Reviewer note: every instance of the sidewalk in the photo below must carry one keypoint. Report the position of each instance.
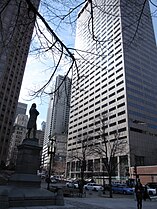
(98, 203)
(108, 203)
(93, 200)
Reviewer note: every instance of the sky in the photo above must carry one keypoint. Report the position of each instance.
(37, 72)
(30, 81)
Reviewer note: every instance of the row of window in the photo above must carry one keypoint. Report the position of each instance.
(98, 108)
(110, 134)
(75, 128)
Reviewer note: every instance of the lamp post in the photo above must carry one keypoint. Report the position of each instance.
(51, 151)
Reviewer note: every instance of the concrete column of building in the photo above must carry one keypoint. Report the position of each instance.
(118, 163)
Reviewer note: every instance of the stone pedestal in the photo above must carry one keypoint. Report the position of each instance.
(28, 162)
(24, 188)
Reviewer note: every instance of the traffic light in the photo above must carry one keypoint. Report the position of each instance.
(135, 169)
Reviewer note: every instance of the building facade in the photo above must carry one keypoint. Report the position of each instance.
(15, 36)
(61, 106)
(116, 79)
(40, 137)
(18, 135)
(58, 119)
(43, 126)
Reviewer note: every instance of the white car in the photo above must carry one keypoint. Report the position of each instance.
(151, 191)
(93, 186)
(72, 184)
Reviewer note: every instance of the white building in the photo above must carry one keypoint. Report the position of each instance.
(117, 78)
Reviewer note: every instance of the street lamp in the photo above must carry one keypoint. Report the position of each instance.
(51, 151)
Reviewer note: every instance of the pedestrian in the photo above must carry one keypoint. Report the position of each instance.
(146, 194)
(139, 193)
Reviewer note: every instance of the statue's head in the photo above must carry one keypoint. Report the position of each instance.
(34, 105)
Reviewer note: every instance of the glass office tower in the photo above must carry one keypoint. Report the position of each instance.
(116, 77)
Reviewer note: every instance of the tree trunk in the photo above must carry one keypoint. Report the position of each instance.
(110, 186)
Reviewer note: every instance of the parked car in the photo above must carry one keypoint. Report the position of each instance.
(72, 184)
(152, 188)
(42, 175)
(53, 179)
(93, 186)
(151, 191)
(152, 185)
(122, 189)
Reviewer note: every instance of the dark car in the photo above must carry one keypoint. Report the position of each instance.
(152, 185)
(122, 189)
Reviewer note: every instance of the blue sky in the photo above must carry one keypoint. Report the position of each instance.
(33, 80)
(154, 17)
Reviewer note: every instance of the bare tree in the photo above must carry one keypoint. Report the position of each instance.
(80, 156)
(51, 20)
(108, 150)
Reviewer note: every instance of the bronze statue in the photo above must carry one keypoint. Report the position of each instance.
(32, 121)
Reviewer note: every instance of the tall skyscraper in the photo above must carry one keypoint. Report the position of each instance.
(61, 106)
(16, 30)
(58, 117)
(117, 78)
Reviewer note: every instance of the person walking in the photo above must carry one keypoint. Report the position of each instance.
(139, 194)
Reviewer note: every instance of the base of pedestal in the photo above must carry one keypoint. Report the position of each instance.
(25, 180)
(23, 189)
(25, 197)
